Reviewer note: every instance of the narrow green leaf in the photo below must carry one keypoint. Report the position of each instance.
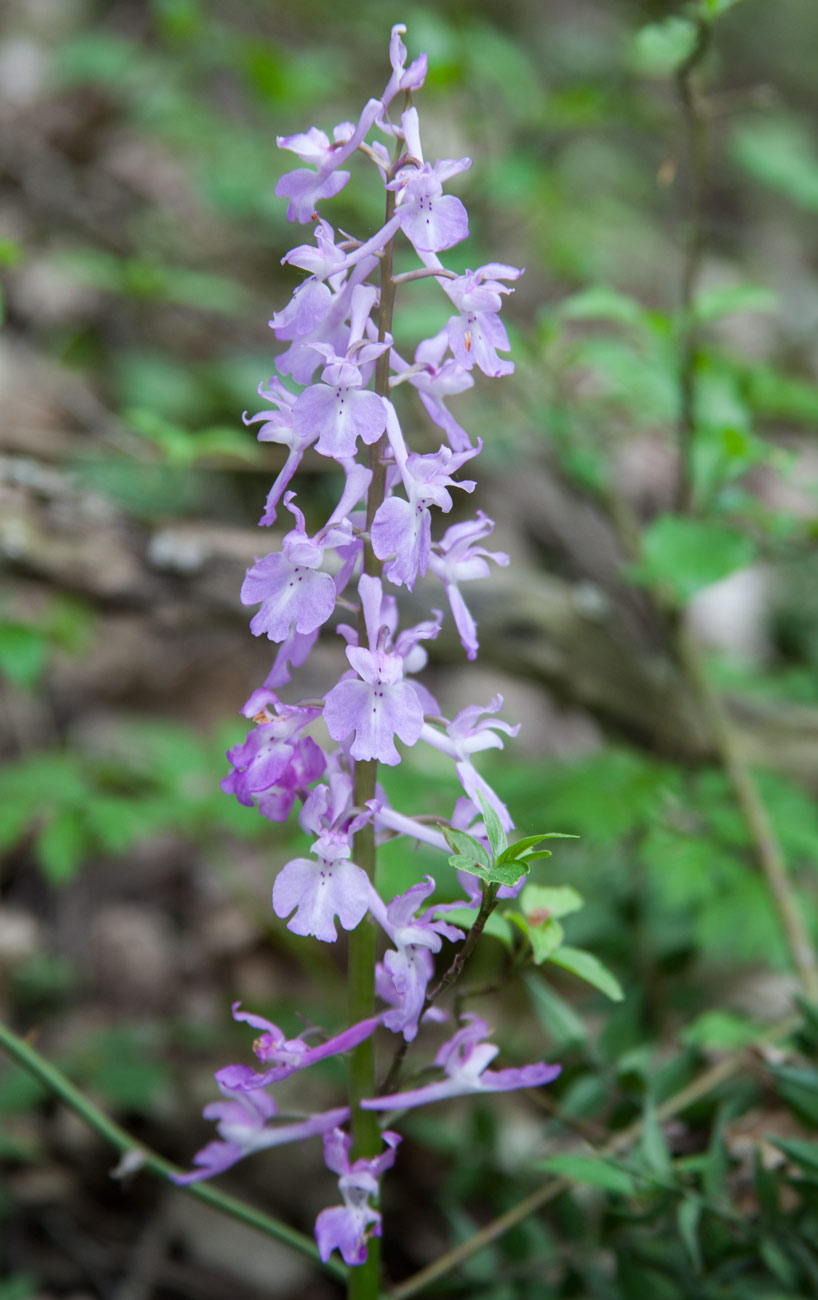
(557, 1017)
(589, 968)
(804, 1154)
(494, 829)
(688, 1217)
(653, 1148)
(593, 1171)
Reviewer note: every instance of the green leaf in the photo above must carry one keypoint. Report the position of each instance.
(780, 152)
(688, 1217)
(653, 1148)
(660, 48)
(507, 874)
(525, 848)
(23, 653)
(463, 844)
(589, 968)
(557, 1017)
(592, 1171)
(545, 939)
(720, 1030)
(684, 555)
(728, 300)
(494, 829)
(556, 900)
(603, 303)
(804, 1154)
(62, 847)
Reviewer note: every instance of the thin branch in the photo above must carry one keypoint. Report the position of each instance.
(695, 123)
(708, 1081)
(137, 1156)
(767, 846)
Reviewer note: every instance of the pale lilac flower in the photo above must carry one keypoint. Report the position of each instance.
(403, 78)
(332, 885)
(294, 593)
(431, 220)
(464, 1059)
(277, 427)
(403, 528)
(284, 1056)
(436, 377)
(410, 965)
(457, 558)
(468, 734)
(347, 1228)
(243, 1126)
(304, 187)
(477, 332)
(378, 704)
(339, 409)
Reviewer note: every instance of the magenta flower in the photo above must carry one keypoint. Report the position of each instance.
(463, 1060)
(346, 1228)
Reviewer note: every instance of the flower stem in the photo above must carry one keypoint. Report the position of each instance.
(364, 1280)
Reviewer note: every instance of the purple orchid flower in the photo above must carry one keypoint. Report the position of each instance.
(243, 1125)
(284, 1056)
(294, 592)
(463, 1059)
(346, 1228)
(477, 332)
(304, 187)
(457, 558)
(332, 885)
(377, 704)
(339, 410)
(274, 763)
(410, 966)
(436, 377)
(468, 734)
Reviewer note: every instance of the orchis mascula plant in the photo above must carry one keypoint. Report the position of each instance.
(325, 755)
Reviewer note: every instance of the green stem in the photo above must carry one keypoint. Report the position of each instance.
(363, 1281)
(56, 1082)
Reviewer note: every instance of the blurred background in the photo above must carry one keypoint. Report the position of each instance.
(662, 195)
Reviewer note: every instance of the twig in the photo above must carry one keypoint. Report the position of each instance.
(699, 1087)
(695, 124)
(767, 846)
